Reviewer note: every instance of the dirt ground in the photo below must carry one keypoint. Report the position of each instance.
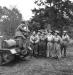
(40, 66)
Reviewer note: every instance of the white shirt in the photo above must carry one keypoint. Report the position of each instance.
(34, 39)
(65, 37)
(57, 38)
(49, 37)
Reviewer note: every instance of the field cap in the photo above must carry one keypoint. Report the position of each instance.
(56, 31)
(64, 31)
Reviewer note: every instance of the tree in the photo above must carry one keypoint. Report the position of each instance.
(57, 13)
(9, 20)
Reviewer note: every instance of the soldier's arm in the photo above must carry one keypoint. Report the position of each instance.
(47, 38)
(31, 39)
(60, 38)
(53, 38)
(68, 38)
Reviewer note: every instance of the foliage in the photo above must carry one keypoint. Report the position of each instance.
(9, 20)
(57, 13)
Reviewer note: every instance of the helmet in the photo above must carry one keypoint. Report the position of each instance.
(56, 31)
(64, 31)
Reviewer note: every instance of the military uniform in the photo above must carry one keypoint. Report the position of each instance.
(65, 41)
(57, 40)
(21, 34)
(49, 51)
(42, 45)
(34, 39)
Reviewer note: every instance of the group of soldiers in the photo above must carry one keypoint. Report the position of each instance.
(44, 42)
(49, 43)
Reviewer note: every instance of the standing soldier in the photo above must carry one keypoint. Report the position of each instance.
(34, 39)
(65, 41)
(49, 44)
(57, 40)
(42, 44)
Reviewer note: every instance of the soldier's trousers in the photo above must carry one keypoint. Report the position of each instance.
(42, 48)
(63, 50)
(49, 49)
(57, 50)
(35, 49)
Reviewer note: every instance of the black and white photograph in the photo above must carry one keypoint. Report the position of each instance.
(36, 37)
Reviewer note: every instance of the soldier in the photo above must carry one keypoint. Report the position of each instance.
(49, 44)
(57, 40)
(34, 39)
(65, 41)
(42, 45)
(21, 34)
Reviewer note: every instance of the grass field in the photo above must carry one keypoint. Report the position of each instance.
(40, 66)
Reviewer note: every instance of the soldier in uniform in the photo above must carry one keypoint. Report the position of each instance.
(34, 39)
(21, 34)
(49, 44)
(65, 41)
(42, 44)
(57, 40)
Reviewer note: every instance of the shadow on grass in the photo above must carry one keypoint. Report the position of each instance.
(15, 62)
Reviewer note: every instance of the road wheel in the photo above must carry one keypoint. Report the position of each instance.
(7, 57)
(24, 55)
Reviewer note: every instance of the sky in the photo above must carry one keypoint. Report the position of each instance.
(24, 6)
